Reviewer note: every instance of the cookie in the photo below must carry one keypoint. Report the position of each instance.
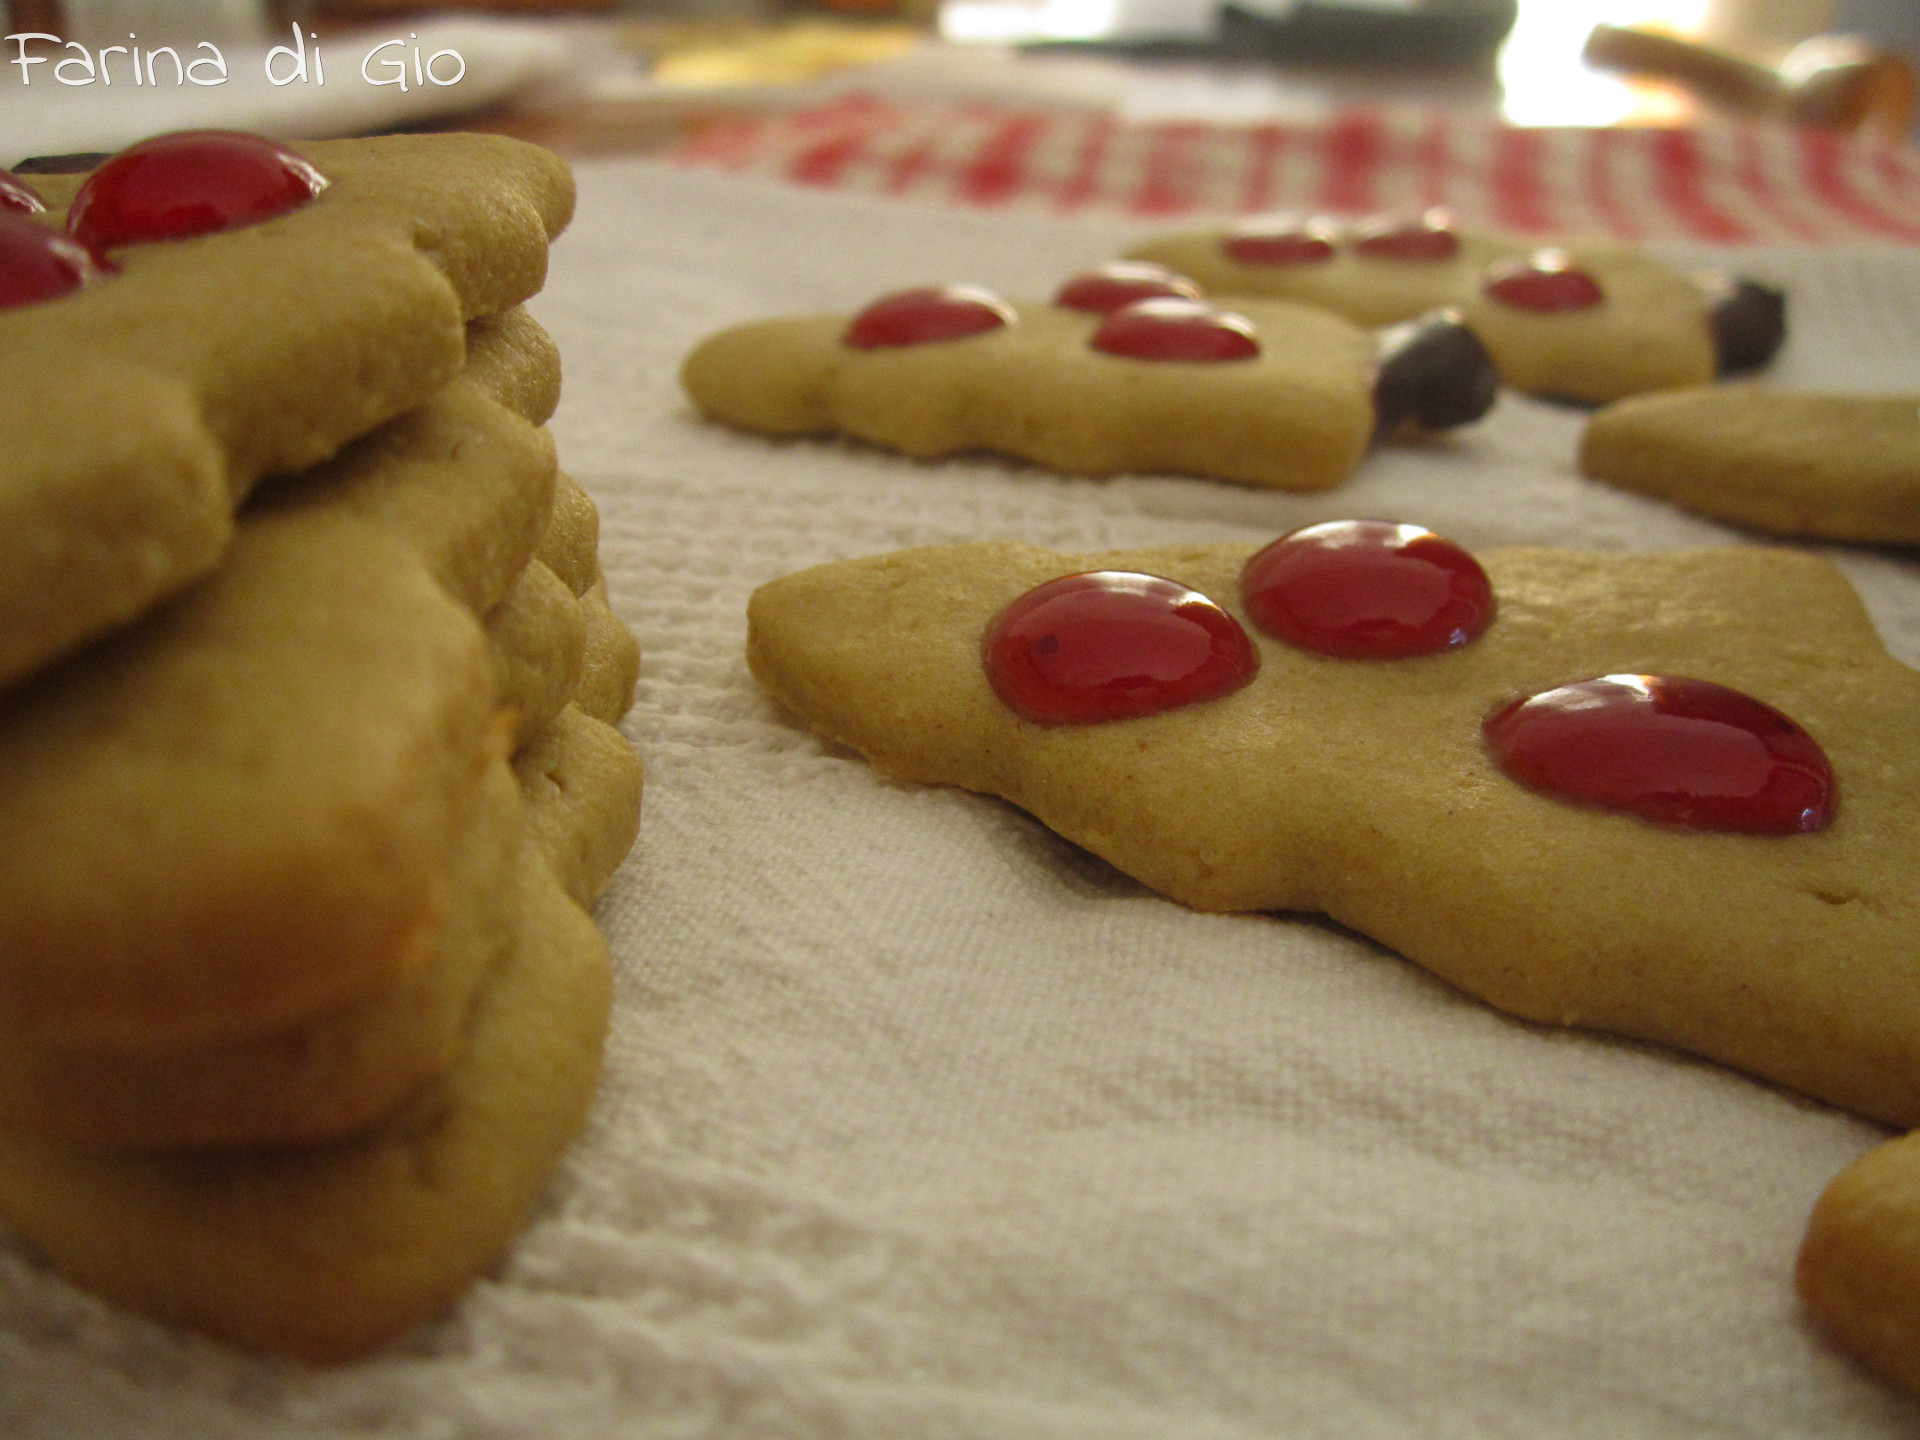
(231, 356)
(1583, 322)
(1368, 789)
(271, 860)
(1270, 394)
(1859, 1266)
(1835, 467)
(1374, 272)
(466, 498)
(327, 1252)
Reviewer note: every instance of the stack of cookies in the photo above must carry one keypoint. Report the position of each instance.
(307, 767)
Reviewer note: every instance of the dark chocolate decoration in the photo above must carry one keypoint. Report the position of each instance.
(1749, 321)
(78, 163)
(1434, 372)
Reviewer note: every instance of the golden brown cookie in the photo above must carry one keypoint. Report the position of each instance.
(1838, 467)
(233, 356)
(1859, 1269)
(344, 1069)
(1583, 322)
(1369, 289)
(1364, 789)
(1298, 415)
(570, 546)
(327, 1252)
(273, 859)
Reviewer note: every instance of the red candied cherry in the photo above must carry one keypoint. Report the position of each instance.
(928, 315)
(1367, 590)
(1431, 237)
(1121, 282)
(17, 195)
(1667, 748)
(1281, 241)
(192, 182)
(1113, 645)
(1174, 329)
(1546, 281)
(39, 264)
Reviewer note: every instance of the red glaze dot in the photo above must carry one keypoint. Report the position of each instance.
(1667, 748)
(1281, 242)
(37, 263)
(1112, 645)
(927, 316)
(1367, 590)
(17, 195)
(1173, 329)
(1546, 282)
(192, 182)
(1431, 237)
(1121, 282)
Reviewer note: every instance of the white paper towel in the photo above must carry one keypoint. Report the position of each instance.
(920, 1123)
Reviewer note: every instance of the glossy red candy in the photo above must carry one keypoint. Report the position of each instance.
(1280, 242)
(1667, 748)
(1112, 645)
(927, 316)
(1121, 282)
(37, 263)
(18, 196)
(192, 182)
(1176, 330)
(1547, 282)
(1367, 590)
(1431, 237)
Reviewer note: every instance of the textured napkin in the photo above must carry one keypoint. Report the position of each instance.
(919, 1122)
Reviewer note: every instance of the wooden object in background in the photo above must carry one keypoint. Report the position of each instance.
(1834, 82)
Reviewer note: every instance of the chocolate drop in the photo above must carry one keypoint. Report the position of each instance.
(1748, 321)
(1434, 374)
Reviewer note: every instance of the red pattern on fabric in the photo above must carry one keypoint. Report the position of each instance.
(1749, 183)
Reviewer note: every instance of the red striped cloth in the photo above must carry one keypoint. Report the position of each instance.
(1726, 184)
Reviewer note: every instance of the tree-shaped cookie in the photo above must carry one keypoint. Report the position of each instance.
(1583, 322)
(1126, 370)
(226, 308)
(1668, 795)
(1372, 788)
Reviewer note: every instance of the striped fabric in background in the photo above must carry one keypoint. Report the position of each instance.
(1729, 184)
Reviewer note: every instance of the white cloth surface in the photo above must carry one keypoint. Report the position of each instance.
(920, 1124)
(41, 116)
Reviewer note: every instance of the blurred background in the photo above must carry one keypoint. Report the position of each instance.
(634, 76)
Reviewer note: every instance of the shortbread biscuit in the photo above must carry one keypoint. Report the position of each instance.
(1367, 290)
(342, 1071)
(241, 354)
(1652, 331)
(1363, 789)
(570, 545)
(328, 1252)
(612, 662)
(537, 637)
(1299, 416)
(462, 480)
(1647, 326)
(1859, 1268)
(271, 860)
(582, 782)
(320, 1079)
(1837, 467)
